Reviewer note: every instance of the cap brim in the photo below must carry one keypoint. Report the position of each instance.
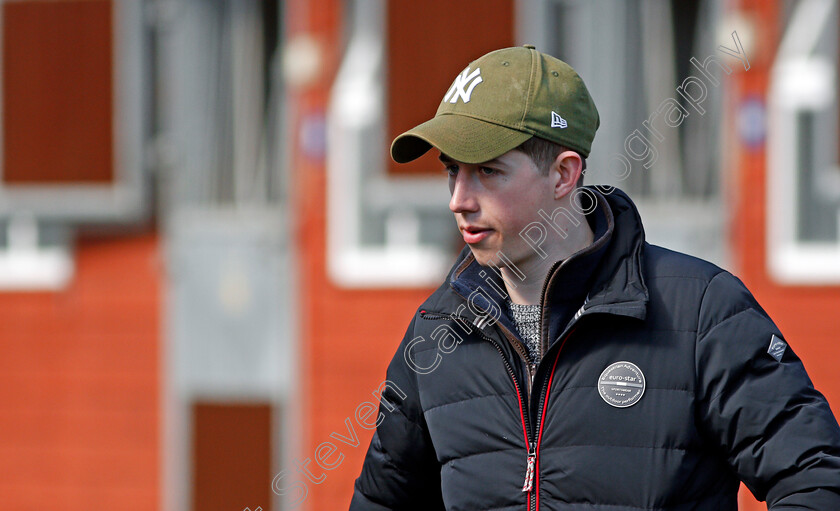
(462, 138)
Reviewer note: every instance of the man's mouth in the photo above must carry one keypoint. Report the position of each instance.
(474, 234)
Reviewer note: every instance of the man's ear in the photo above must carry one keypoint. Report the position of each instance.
(565, 171)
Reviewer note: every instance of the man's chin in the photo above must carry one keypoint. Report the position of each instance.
(485, 257)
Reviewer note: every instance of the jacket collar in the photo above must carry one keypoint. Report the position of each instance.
(471, 291)
(620, 286)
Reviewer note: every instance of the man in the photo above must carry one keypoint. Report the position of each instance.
(567, 364)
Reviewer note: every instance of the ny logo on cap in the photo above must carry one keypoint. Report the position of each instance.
(557, 121)
(457, 90)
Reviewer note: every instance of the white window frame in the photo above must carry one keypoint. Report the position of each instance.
(25, 263)
(801, 80)
(356, 121)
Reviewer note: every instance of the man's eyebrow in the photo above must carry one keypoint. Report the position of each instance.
(446, 159)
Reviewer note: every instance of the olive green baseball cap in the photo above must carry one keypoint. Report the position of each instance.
(501, 100)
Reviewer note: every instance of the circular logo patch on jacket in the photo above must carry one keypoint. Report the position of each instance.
(622, 384)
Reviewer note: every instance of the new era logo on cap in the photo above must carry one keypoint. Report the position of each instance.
(777, 348)
(557, 121)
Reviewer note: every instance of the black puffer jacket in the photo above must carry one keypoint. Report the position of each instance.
(697, 401)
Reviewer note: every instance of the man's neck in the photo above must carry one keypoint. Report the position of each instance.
(535, 269)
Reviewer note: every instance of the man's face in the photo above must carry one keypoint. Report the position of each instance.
(494, 201)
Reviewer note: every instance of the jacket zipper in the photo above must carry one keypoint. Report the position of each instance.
(523, 354)
(524, 413)
(541, 406)
(531, 483)
(531, 461)
(528, 485)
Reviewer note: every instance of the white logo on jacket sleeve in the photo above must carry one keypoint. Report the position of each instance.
(777, 348)
(465, 79)
(622, 384)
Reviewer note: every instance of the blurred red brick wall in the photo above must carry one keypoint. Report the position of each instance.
(79, 385)
(346, 337)
(807, 316)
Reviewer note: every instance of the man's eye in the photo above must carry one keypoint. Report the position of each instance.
(487, 171)
(451, 169)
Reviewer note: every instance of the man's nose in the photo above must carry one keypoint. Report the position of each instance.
(463, 196)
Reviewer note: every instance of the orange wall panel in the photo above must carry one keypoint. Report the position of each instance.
(57, 92)
(79, 385)
(426, 48)
(231, 456)
(806, 315)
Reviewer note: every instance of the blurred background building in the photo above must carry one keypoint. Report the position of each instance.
(207, 258)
